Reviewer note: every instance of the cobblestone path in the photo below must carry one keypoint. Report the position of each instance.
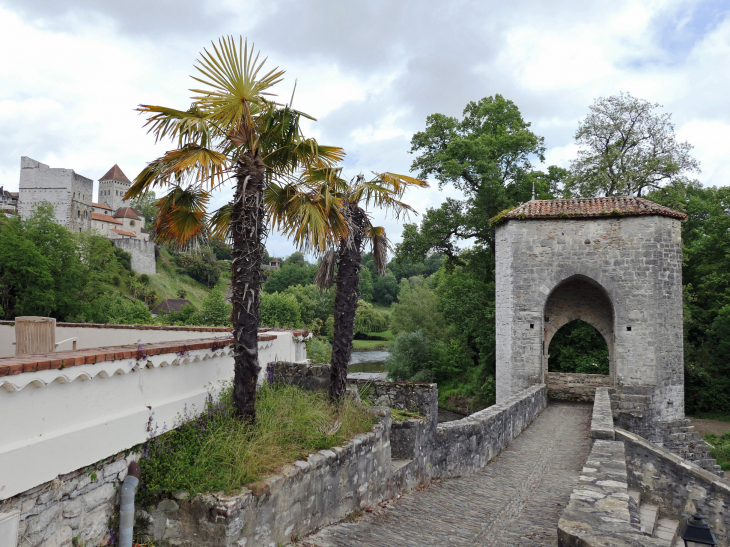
(516, 500)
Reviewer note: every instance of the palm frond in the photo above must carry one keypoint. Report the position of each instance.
(191, 162)
(325, 276)
(380, 246)
(190, 126)
(181, 217)
(234, 88)
(220, 224)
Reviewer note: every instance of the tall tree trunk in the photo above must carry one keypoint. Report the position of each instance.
(346, 297)
(247, 233)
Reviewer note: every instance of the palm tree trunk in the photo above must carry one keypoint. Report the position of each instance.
(247, 234)
(346, 297)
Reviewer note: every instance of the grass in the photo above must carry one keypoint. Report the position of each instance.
(710, 416)
(385, 338)
(217, 452)
(403, 415)
(720, 447)
(167, 282)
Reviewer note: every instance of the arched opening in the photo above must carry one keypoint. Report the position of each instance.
(578, 339)
(578, 348)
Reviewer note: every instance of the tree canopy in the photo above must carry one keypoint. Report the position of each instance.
(627, 148)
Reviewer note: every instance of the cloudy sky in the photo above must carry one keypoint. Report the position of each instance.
(72, 73)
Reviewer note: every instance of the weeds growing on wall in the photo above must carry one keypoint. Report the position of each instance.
(214, 451)
(720, 447)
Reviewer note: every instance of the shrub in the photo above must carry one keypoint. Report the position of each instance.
(368, 319)
(318, 350)
(201, 265)
(113, 307)
(279, 310)
(216, 311)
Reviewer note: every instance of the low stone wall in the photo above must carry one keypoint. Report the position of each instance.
(602, 419)
(575, 387)
(677, 485)
(466, 445)
(599, 513)
(413, 396)
(301, 497)
(73, 506)
(312, 377)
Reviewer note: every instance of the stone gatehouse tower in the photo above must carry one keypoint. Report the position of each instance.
(615, 263)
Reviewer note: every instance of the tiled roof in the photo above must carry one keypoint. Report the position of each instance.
(126, 212)
(171, 304)
(589, 208)
(123, 233)
(101, 206)
(104, 218)
(115, 173)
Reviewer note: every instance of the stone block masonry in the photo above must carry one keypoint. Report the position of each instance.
(575, 387)
(621, 274)
(143, 254)
(676, 485)
(74, 507)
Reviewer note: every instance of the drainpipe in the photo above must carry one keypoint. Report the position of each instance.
(126, 507)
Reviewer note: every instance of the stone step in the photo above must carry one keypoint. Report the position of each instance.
(667, 530)
(648, 514)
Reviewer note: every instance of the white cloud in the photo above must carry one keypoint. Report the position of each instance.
(371, 72)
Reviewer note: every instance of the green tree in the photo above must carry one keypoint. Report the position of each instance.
(113, 307)
(366, 285)
(385, 288)
(314, 305)
(417, 309)
(215, 310)
(202, 265)
(280, 310)
(368, 319)
(578, 348)
(290, 275)
(627, 148)
(147, 205)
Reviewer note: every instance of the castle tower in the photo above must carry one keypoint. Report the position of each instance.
(112, 188)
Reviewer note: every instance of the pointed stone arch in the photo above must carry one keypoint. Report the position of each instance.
(579, 297)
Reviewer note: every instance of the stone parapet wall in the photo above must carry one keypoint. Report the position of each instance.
(312, 377)
(466, 445)
(599, 512)
(602, 418)
(564, 386)
(412, 396)
(677, 485)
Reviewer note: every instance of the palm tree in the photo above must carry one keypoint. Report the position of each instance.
(234, 132)
(385, 190)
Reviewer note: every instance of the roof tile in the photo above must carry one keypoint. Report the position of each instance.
(126, 212)
(589, 208)
(115, 173)
(104, 218)
(123, 233)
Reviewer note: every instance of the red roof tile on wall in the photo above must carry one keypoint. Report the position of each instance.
(590, 208)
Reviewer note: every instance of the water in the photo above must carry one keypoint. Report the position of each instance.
(367, 365)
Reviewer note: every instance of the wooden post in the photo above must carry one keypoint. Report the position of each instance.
(35, 335)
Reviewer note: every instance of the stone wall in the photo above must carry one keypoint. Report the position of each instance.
(333, 483)
(575, 387)
(599, 512)
(76, 506)
(312, 377)
(413, 396)
(634, 261)
(602, 418)
(70, 193)
(303, 496)
(678, 486)
(143, 254)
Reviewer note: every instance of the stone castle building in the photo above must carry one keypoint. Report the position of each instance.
(72, 198)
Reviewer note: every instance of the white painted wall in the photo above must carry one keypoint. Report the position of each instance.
(53, 422)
